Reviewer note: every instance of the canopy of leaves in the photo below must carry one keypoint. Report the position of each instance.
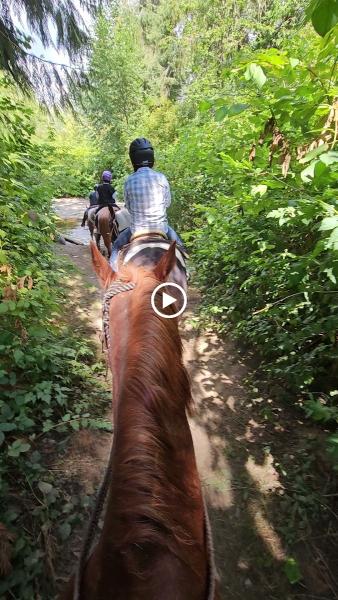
(56, 23)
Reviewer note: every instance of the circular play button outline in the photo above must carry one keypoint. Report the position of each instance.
(176, 314)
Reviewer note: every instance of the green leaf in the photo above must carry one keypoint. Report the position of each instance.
(319, 411)
(2, 437)
(204, 105)
(314, 153)
(7, 426)
(236, 109)
(255, 73)
(45, 487)
(309, 173)
(259, 189)
(330, 275)
(65, 531)
(273, 57)
(333, 239)
(329, 223)
(18, 356)
(229, 111)
(329, 158)
(4, 307)
(32, 248)
(325, 16)
(292, 570)
(221, 113)
(333, 439)
(17, 448)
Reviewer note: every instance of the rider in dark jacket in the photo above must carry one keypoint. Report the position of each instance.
(106, 192)
(93, 197)
(102, 195)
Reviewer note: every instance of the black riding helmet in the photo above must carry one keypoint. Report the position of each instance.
(141, 153)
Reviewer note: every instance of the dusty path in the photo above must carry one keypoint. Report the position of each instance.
(238, 449)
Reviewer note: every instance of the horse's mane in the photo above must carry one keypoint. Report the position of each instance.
(153, 442)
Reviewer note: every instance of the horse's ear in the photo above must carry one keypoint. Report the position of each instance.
(166, 264)
(101, 266)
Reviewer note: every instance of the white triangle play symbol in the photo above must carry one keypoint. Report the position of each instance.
(167, 300)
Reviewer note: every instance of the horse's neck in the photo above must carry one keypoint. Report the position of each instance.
(154, 453)
(154, 521)
(155, 466)
(152, 544)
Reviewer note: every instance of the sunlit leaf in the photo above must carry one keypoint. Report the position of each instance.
(259, 189)
(330, 275)
(314, 153)
(328, 223)
(204, 105)
(308, 173)
(329, 158)
(255, 73)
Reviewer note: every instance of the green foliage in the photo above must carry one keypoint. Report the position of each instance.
(240, 100)
(324, 15)
(264, 236)
(118, 72)
(45, 370)
(254, 169)
(243, 113)
(71, 153)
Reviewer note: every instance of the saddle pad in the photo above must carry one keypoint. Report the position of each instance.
(138, 246)
(123, 218)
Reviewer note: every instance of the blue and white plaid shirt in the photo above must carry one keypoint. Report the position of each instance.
(147, 197)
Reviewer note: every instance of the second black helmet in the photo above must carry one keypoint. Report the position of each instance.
(141, 153)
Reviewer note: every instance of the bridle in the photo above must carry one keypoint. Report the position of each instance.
(117, 287)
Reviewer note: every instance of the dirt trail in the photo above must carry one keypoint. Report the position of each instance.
(237, 451)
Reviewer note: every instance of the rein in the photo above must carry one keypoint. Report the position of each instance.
(117, 287)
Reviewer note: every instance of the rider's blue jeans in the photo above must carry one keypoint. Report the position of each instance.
(124, 238)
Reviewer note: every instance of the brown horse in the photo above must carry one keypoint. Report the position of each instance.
(106, 228)
(154, 542)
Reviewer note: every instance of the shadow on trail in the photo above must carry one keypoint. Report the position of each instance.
(237, 451)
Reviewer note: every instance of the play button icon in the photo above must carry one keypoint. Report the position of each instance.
(167, 300)
(164, 299)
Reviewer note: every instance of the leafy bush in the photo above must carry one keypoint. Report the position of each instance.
(44, 367)
(256, 182)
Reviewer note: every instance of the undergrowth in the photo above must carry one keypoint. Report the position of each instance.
(49, 376)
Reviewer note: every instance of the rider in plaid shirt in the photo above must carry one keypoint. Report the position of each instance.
(147, 197)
